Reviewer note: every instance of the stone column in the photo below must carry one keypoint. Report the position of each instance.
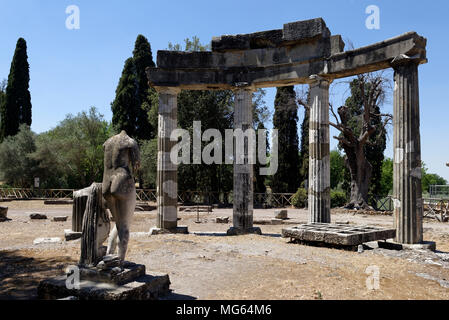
(167, 180)
(407, 193)
(243, 173)
(319, 151)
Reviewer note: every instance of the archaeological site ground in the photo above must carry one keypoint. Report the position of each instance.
(185, 191)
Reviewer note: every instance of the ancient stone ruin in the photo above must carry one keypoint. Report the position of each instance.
(303, 52)
(100, 274)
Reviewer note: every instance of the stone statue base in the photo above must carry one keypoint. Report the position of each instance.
(108, 282)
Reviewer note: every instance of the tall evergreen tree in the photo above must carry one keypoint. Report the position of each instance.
(143, 59)
(285, 120)
(124, 105)
(2, 93)
(259, 180)
(134, 98)
(304, 147)
(16, 107)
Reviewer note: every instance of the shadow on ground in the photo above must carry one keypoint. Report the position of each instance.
(20, 275)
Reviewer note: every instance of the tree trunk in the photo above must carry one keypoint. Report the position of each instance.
(361, 171)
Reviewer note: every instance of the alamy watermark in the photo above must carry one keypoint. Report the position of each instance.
(373, 279)
(242, 152)
(72, 22)
(73, 278)
(372, 22)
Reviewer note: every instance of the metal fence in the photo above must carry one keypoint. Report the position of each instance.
(29, 193)
(436, 208)
(276, 200)
(380, 203)
(439, 191)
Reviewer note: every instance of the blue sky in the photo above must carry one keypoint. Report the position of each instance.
(72, 70)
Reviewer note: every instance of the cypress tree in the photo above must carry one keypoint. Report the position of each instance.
(259, 180)
(124, 105)
(134, 97)
(285, 118)
(16, 107)
(304, 150)
(143, 58)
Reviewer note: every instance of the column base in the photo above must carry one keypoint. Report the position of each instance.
(237, 231)
(391, 245)
(179, 229)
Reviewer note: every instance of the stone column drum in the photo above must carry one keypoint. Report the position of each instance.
(319, 151)
(243, 173)
(167, 180)
(407, 193)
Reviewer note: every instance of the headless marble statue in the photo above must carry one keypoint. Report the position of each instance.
(121, 158)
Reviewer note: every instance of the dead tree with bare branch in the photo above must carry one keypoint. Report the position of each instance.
(360, 128)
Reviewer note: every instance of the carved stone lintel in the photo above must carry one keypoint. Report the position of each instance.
(316, 80)
(404, 59)
(168, 90)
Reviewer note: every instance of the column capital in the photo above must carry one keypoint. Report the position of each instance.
(168, 90)
(243, 86)
(404, 59)
(316, 80)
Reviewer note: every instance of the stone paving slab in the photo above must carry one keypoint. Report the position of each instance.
(337, 234)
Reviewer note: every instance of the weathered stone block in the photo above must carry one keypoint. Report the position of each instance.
(303, 30)
(147, 287)
(338, 234)
(257, 40)
(3, 214)
(116, 275)
(337, 44)
(46, 241)
(178, 229)
(237, 231)
(70, 235)
(281, 214)
(60, 218)
(38, 216)
(222, 220)
(58, 201)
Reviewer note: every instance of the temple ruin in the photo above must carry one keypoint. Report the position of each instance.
(303, 52)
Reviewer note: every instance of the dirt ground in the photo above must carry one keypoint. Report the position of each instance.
(210, 265)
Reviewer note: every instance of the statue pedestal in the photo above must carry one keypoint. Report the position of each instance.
(129, 282)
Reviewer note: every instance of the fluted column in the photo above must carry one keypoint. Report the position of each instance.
(167, 180)
(407, 193)
(243, 172)
(319, 151)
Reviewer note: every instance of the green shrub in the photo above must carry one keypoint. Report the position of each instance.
(338, 199)
(299, 199)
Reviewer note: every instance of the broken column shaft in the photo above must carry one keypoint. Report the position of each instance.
(319, 151)
(243, 171)
(407, 192)
(167, 180)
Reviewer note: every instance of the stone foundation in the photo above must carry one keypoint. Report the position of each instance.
(336, 234)
(127, 283)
